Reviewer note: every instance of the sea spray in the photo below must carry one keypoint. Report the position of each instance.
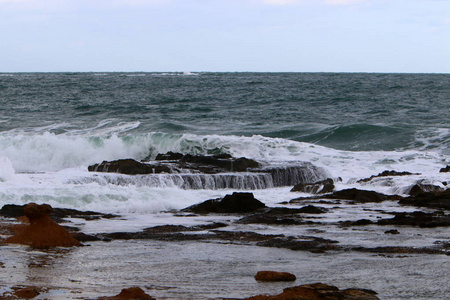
(6, 169)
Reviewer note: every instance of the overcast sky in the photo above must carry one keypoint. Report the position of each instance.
(225, 35)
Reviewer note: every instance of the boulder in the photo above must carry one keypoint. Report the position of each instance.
(128, 166)
(274, 276)
(235, 203)
(420, 188)
(444, 170)
(320, 187)
(319, 291)
(42, 232)
(437, 200)
(133, 293)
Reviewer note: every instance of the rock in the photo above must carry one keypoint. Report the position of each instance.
(420, 188)
(134, 293)
(274, 276)
(319, 291)
(438, 200)
(320, 187)
(444, 170)
(303, 243)
(42, 232)
(418, 218)
(235, 203)
(169, 156)
(392, 231)
(26, 293)
(128, 166)
(361, 196)
(387, 174)
(311, 209)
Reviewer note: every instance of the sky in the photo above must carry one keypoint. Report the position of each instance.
(405, 36)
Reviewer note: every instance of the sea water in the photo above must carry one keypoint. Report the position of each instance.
(350, 126)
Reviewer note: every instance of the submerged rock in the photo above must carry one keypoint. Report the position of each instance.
(133, 293)
(235, 203)
(42, 232)
(319, 291)
(274, 276)
(387, 174)
(418, 218)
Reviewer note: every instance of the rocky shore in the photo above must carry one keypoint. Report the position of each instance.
(329, 221)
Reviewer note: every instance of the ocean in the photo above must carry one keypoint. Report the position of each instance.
(351, 126)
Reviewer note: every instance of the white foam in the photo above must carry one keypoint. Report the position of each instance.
(7, 171)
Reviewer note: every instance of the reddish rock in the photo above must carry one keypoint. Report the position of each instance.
(133, 293)
(27, 293)
(42, 232)
(274, 276)
(319, 291)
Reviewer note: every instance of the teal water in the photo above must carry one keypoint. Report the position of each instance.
(338, 110)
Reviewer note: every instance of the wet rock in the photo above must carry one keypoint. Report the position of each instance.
(402, 250)
(57, 214)
(128, 166)
(360, 196)
(235, 203)
(274, 276)
(418, 218)
(361, 222)
(438, 200)
(26, 292)
(305, 243)
(169, 156)
(133, 293)
(42, 232)
(392, 231)
(282, 216)
(387, 174)
(319, 291)
(420, 188)
(445, 169)
(320, 187)
(270, 219)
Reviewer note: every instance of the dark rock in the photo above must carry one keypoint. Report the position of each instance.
(312, 244)
(319, 291)
(235, 203)
(361, 222)
(12, 210)
(57, 214)
(401, 250)
(361, 196)
(129, 166)
(169, 156)
(274, 276)
(417, 218)
(438, 200)
(311, 209)
(272, 219)
(420, 188)
(82, 237)
(444, 170)
(392, 231)
(320, 187)
(387, 174)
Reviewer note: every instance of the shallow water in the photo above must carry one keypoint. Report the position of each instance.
(193, 270)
